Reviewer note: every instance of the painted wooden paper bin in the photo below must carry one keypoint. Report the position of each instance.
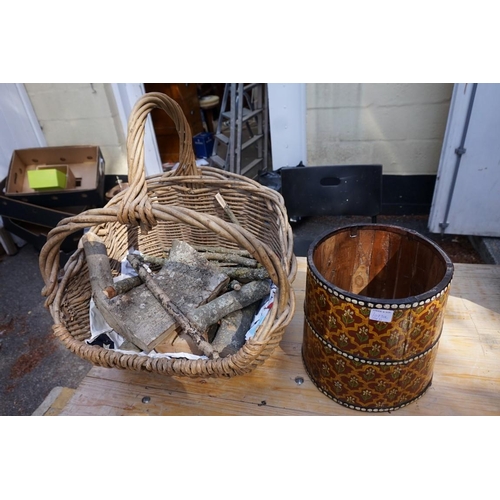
(374, 309)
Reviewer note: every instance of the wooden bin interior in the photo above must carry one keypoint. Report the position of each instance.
(379, 261)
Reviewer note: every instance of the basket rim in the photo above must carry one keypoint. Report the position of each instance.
(254, 350)
(136, 207)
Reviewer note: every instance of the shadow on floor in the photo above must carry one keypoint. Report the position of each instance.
(459, 248)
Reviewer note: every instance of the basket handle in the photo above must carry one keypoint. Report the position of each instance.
(136, 196)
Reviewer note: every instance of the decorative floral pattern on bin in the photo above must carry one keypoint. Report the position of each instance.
(345, 323)
(365, 386)
(366, 364)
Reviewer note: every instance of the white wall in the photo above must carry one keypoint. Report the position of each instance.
(81, 114)
(287, 122)
(19, 127)
(400, 125)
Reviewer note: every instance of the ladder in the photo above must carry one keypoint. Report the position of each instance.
(243, 122)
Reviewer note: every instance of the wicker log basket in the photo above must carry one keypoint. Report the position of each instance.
(179, 204)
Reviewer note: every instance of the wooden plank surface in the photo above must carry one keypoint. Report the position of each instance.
(466, 373)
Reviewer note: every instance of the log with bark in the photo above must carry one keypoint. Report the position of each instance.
(177, 305)
(213, 311)
(230, 336)
(196, 321)
(190, 329)
(136, 314)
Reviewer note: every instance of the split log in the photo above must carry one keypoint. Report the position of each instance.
(137, 316)
(122, 286)
(186, 254)
(210, 313)
(230, 336)
(190, 286)
(235, 251)
(244, 273)
(184, 322)
(231, 258)
(180, 343)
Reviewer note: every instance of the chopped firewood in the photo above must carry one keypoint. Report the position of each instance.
(178, 307)
(97, 261)
(198, 255)
(211, 312)
(179, 343)
(234, 285)
(230, 336)
(179, 317)
(244, 273)
(191, 286)
(137, 315)
(235, 251)
(122, 286)
(128, 346)
(196, 321)
(135, 311)
(231, 258)
(183, 252)
(226, 259)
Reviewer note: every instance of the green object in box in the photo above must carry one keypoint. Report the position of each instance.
(46, 178)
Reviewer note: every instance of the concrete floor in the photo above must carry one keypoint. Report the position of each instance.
(32, 361)
(459, 248)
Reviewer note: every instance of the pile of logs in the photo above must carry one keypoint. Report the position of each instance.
(199, 300)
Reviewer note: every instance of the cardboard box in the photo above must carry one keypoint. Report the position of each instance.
(35, 214)
(37, 234)
(84, 165)
(32, 222)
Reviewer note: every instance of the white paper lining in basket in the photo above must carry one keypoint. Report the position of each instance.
(98, 325)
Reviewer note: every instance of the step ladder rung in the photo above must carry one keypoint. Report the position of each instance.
(221, 162)
(222, 138)
(251, 165)
(248, 114)
(250, 86)
(251, 141)
(236, 132)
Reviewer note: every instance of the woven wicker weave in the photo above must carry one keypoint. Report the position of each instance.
(153, 211)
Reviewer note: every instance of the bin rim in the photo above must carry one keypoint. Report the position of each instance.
(412, 301)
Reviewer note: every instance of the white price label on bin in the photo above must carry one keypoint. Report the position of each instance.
(384, 315)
